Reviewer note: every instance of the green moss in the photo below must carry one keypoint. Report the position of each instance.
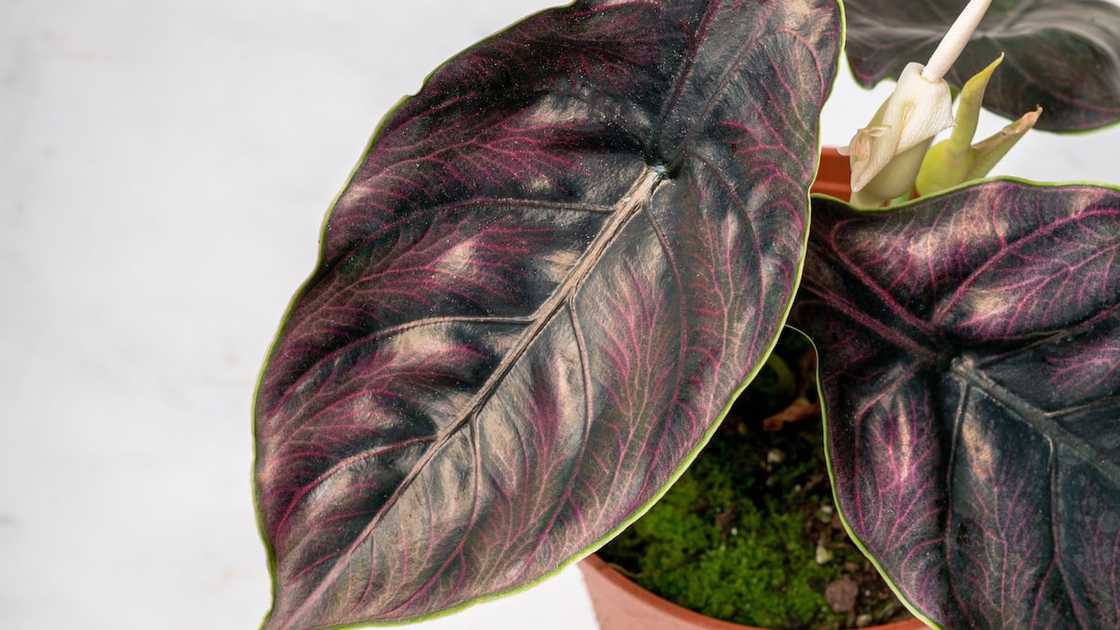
(736, 536)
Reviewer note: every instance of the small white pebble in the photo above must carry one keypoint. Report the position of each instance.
(824, 556)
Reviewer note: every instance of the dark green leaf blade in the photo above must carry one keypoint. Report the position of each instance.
(546, 280)
(970, 367)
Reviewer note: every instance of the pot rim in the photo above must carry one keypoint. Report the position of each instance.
(833, 174)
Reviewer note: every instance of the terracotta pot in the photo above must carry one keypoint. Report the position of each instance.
(834, 176)
(619, 603)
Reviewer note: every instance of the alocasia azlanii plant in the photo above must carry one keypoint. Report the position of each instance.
(548, 277)
(970, 370)
(559, 262)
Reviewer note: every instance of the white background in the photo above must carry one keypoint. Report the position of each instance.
(164, 168)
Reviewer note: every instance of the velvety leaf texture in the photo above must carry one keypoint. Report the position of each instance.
(1061, 54)
(970, 365)
(548, 276)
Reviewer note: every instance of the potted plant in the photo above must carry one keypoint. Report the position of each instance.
(557, 265)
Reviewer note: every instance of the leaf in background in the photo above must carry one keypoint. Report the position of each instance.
(547, 279)
(1061, 54)
(970, 370)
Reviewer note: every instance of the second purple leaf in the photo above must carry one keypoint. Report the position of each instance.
(547, 279)
(970, 369)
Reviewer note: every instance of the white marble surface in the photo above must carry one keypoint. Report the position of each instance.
(164, 168)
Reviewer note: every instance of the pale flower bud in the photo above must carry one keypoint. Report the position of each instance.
(886, 155)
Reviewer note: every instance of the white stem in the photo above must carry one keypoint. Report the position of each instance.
(955, 40)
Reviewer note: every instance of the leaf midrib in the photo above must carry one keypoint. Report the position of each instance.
(1057, 438)
(1041, 421)
(638, 196)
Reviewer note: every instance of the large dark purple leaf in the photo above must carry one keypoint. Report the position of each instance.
(545, 282)
(970, 366)
(1061, 54)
